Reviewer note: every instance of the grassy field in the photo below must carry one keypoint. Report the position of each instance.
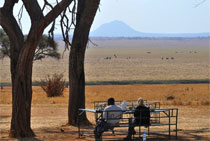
(50, 114)
(146, 59)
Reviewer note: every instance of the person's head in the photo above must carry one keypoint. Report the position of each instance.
(140, 102)
(111, 101)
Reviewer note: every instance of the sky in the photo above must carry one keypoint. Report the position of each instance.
(150, 16)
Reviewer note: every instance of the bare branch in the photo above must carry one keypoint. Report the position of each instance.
(198, 4)
(20, 14)
(66, 25)
(64, 28)
(94, 44)
(34, 10)
(46, 3)
(56, 11)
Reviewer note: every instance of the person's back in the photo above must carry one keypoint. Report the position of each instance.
(112, 114)
(142, 118)
(142, 115)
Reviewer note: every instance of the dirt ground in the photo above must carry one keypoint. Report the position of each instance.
(49, 115)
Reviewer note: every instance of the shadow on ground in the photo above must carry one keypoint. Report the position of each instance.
(70, 133)
(87, 134)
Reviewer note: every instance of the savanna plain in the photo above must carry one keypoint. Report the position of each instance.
(122, 60)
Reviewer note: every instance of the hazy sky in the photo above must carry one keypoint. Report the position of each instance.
(152, 16)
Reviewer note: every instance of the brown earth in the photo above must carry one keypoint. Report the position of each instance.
(49, 115)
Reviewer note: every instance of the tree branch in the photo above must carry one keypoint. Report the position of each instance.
(56, 11)
(198, 4)
(20, 14)
(34, 10)
(9, 23)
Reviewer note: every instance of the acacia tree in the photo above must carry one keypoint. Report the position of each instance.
(21, 57)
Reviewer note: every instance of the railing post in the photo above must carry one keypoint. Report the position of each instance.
(169, 130)
(176, 121)
(78, 124)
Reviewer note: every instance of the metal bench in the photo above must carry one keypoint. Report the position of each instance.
(167, 117)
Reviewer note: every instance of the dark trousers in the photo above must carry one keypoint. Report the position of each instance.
(101, 126)
(132, 124)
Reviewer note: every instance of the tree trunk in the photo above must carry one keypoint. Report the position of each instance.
(85, 15)
(21, 102)
(21, 70)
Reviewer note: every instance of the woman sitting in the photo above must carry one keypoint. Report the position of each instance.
(142, 118)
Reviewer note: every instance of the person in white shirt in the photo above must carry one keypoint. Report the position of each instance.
(111, 117)
(112, 113)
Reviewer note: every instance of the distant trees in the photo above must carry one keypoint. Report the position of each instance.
(46, 47)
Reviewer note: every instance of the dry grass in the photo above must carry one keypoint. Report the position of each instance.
(48, 114)
(132, 63)
(190, 61)
(183, 94)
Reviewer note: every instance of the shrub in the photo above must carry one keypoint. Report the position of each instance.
(53, 86)
(169, 97)
(205, 102)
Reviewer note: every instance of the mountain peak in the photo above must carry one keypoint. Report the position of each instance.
(115, 29)
(120, 29)
(116, 22)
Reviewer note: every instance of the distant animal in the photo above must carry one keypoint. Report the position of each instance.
(61, 130)
(172, 58)
(115, 56)
(108, 58)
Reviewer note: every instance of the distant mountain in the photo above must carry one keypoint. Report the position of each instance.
(115, 29)
(120, 29)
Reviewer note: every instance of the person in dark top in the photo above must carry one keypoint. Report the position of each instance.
(141, 118)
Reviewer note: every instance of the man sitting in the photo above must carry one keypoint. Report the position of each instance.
(111, 117)
(142, 118)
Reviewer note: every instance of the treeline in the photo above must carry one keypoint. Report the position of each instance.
(148, 38)
(130, 82)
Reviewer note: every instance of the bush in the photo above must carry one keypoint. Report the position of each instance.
(205, 102)
(53, 86)
(169, 97)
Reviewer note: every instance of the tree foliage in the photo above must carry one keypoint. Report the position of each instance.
(46, 48)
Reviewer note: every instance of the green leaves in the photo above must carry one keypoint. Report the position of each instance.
(47, 47)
